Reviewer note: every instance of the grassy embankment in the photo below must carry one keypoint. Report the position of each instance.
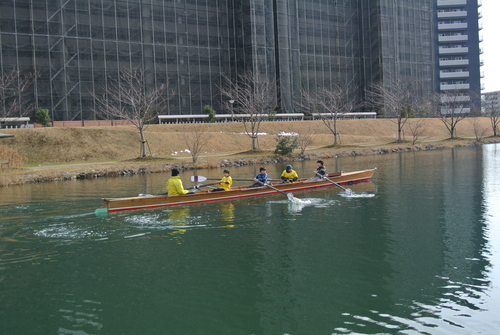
(66, 153)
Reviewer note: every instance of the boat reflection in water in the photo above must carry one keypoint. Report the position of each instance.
(227, 211)
(179, 222)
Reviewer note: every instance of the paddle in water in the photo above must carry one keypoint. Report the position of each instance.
(289, 195)
(348, 191)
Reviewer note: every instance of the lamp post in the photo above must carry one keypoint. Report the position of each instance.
(232, 112)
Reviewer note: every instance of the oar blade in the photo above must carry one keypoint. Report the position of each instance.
(290, 196)
(348, 191)
(198, 179)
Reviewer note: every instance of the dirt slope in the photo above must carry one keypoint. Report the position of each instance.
(76, 145)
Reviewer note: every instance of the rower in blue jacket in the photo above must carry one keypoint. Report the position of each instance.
(261, 178)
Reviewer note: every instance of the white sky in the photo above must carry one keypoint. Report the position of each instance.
(491, 44)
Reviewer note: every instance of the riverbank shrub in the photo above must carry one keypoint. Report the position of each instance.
(42, 117)
(286, 144)
(207, 109)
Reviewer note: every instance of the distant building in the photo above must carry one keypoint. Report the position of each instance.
(490, 102)
(300, 45)
(458, 53)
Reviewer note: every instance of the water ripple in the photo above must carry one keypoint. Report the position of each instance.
(357, 195)
(70, 231)
(80, 318)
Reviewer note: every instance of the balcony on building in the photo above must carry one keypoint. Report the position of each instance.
(452, 26)
(451, 3)
(454, 62)
(449, 87)
(453, 51)
(451, 15)
(453, 75)
(453, 38)
(447, 111)
(457, 99)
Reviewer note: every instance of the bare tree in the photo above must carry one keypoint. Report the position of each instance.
(195, 142)
(305, 140)
(491, 109)
(331, 104)
(254, 96)
(133, 97)
(13, 84)
(417, 128)
(455, 105)
(401, 100)
(479, 131)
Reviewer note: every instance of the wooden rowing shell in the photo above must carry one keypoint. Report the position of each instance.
(144, 202)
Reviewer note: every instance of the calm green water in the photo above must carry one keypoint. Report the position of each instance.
(415, 251)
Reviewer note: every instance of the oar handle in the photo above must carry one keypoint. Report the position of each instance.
(241, 179)
(202, 185)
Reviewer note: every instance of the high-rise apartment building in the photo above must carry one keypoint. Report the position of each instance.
(457, 61)
(491, 102)
(191, 44)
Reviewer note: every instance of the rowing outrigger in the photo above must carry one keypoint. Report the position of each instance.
(199, 196)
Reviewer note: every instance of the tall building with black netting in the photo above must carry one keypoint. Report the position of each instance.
(75, 46)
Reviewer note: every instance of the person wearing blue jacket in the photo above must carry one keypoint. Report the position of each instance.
(261, 178)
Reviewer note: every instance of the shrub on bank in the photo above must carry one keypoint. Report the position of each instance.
(286, 144)
(42, 117)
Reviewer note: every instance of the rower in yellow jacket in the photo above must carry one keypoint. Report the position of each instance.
(225, 182)
(289, 175)
(174, 185)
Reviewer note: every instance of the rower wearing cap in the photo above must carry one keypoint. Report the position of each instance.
(289, 175)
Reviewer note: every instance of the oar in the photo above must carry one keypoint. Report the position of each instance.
(348, 191)
(165, 193)
(202, 185)
(197, 179)
(288, 195)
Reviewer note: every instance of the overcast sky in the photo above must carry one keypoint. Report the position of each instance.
(491, 44)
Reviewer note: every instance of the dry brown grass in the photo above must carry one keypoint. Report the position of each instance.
(120, 145)
(43, 146)
(9, 158)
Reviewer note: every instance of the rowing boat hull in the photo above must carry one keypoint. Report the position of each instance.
(144, 202)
